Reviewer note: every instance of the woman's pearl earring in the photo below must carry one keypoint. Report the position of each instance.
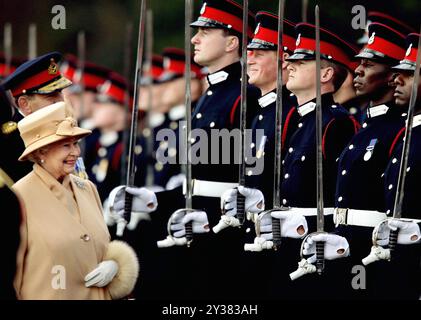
(42, 161)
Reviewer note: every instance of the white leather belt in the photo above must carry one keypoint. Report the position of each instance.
(310, 212)
(209, 188)
(362, 218)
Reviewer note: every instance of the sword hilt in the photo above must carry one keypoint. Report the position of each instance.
(189, 233)
(128, 201)
(320, 256)
(276, 232)
(241, 210)
(393, 240)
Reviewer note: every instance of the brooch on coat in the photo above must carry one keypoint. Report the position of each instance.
(80, 184)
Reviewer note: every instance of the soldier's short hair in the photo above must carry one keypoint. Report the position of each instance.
(238, 35)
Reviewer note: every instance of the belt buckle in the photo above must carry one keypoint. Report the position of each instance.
(341, 215)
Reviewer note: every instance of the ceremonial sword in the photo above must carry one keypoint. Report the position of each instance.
(320, 262)
(135, 110)
(400, 189)
(243, 117)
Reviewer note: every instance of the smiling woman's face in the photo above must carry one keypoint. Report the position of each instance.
(59, 159)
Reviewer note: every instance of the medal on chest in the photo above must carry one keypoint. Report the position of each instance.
(261, 149)
(369, 150)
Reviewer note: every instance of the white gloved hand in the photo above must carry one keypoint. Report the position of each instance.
(254, 202)
(102, 275)
(199, 219)
(335, 246)
(175, 181)
(292, 225)
(144, 202)
(409, 232)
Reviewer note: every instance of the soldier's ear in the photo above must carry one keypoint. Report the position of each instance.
(285, 55)
(232, 44)
(24, 105)
(326, 74)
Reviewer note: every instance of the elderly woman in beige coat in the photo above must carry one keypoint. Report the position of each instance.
(65, 250)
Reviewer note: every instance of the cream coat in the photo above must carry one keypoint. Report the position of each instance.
(62, 239)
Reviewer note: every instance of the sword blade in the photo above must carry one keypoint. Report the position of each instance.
(276, 228)
(319, 155)
(126, 74)
(187, 74)
(319, 125)
(135, 110)
(243, 117)
(148, 75)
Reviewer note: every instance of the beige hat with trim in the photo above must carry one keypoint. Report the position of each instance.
(46, 126)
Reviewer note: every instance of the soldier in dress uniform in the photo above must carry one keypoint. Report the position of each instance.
(217, 46)
(262, 71)
(148, 97)
(262, 65)
(404, 274)
(167, 110)
(359, 204)
(347, 96)
(299, 164)
(174, 101)
(109, 117)
(11, 218)
(34, 85)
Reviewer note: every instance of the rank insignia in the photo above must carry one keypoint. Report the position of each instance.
(53, 68)
(371, 40)
(9, 127)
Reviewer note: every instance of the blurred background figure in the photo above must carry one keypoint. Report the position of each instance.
(82, 97)
(108, 117)
(167, 108)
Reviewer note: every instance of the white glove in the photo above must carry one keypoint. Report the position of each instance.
(144, 202)
(175, 181)
(409, 232)
(254, 202)
(102, 275)
(376, 253)
(335, 246)
(199, 219)
(292, 225)
(178, 227)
